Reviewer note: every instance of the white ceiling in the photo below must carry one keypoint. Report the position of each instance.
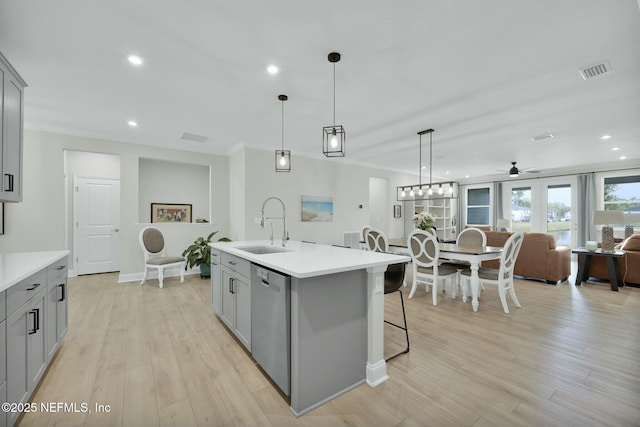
(487, 76)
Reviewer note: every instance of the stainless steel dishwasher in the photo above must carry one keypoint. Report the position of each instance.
(270, 324)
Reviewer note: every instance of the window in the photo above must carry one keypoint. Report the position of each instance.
(478, 204)
(622, 193)
(521, 209)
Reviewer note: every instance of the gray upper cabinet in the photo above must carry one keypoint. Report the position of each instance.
(11, 126)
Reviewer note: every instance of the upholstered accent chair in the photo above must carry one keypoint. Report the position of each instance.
(155, 257)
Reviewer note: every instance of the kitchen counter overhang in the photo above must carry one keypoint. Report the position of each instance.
(303, 260)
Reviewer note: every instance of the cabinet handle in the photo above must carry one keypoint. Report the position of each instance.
(35, 329)
(35, 285)
(61, 285)
(231, 282)
(232, 262)
(37, 319)
(9, 187)
(60, 267)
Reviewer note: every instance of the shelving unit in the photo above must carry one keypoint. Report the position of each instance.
(442, 208)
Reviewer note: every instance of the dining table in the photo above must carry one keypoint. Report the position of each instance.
(454, 252)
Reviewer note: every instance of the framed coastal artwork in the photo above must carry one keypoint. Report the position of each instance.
(170, 212)
(317, 209)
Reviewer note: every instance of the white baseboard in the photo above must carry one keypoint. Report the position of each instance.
(153, 274)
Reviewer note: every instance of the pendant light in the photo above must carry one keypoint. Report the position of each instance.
(333, 137)
(283, 157)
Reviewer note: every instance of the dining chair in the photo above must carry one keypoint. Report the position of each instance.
(375, 240)
(424, 250)
(472, 237)
(503, 276)
(394, 277)
(155, 257)
(363, 237)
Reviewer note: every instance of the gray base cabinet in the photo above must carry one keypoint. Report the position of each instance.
(56, 307)
(36, 321)
(216, 281)
(3, 367)
(236, 296)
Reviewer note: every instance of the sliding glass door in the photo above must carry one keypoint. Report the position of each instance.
(559, 213)
(543, 205)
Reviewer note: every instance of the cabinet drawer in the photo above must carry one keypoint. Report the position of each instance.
(22, 291)
(215, 256)
(237, 264)
(58, 268)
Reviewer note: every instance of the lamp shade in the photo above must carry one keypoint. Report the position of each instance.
(503, 224)
(632, 218)
(608, 218)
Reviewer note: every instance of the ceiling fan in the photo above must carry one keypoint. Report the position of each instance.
(514, 171)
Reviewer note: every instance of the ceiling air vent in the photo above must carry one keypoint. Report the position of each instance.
(193, 137)
(595, 70)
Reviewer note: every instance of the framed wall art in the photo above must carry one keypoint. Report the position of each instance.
(316, 209)
(170, 212)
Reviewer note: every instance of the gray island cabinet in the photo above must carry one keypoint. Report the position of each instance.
(33, 305)
(336, 312)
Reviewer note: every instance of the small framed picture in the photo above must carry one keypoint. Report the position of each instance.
(170, 212)
(397, 211)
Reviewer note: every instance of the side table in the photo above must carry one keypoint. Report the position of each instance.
(612, 265)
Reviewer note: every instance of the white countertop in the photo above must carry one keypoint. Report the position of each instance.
(18, 266)
(309, 259)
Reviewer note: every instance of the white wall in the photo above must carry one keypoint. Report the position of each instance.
(38, 223)
(347, 183)
(162, 181)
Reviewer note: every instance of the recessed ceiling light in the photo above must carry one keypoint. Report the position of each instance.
(424, 167)
(466, 176)
(615, 148)
(135, 59)
(605, 137)
(272, 69)
(132, 123)
(623, 157)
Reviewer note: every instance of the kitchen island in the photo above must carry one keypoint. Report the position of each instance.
(336, 313)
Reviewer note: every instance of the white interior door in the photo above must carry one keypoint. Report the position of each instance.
(378, 204)
(97, 208)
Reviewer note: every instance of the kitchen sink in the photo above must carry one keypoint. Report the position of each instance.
(263, 249)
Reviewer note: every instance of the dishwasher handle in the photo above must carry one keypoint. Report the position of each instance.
(265, 283)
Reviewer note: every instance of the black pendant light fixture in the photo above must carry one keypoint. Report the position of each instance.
(333, 137)
(283, 157)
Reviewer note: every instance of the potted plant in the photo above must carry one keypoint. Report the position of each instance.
(423, 220)
(199, 254)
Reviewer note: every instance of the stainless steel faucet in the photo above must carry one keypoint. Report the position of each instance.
(285, 235)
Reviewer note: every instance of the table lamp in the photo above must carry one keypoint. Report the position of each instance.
(606, 219)
(630, 219)
(503, 224)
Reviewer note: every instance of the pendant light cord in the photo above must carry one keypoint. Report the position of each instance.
(334, 93)
(282, 126)
(420, 169)
(430, 155)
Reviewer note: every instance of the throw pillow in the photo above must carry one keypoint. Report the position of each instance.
(632, 243)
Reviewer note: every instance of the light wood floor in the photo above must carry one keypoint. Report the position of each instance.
(160, 357)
